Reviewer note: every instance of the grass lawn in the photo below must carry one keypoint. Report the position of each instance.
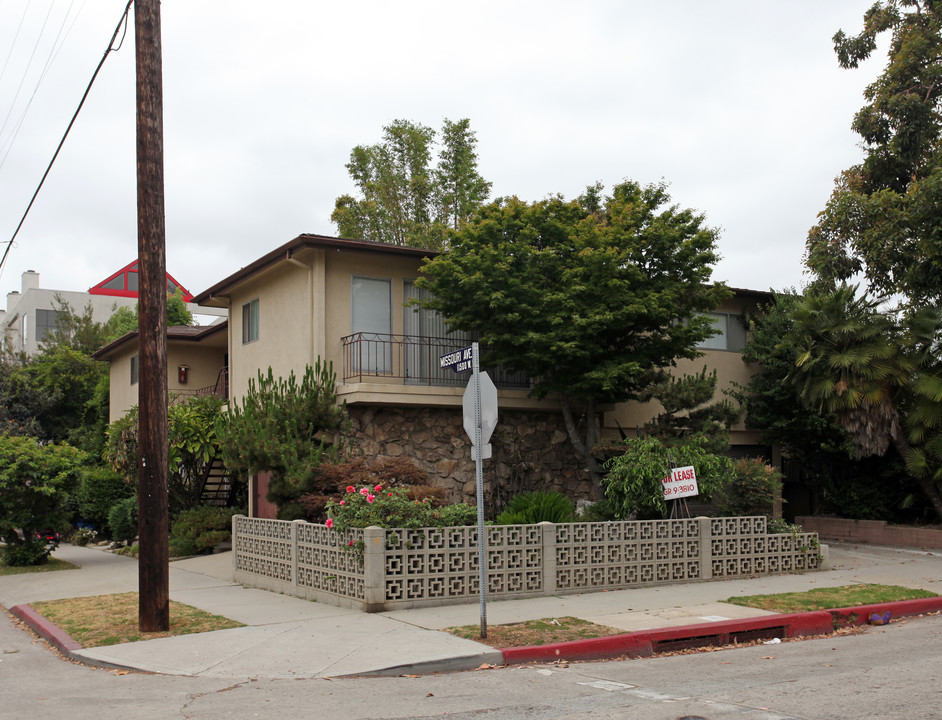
(51, 565)
(828, 598)
(554, 630)
(112, 619)
(535, 632)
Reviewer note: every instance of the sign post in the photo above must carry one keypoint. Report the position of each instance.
(480, 418)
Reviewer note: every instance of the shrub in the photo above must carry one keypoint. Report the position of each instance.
(199, 530)
(122, 520)
(634, 483)
(527, 508)
(99, 489)
(392, 508)
(29, 552)
(599, 511)
(751, 489)
(82, 536)
(331, 479)
(35, 484)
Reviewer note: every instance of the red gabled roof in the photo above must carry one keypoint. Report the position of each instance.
(120, 285)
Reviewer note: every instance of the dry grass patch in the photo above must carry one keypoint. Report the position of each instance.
(535, 632)
(51, 565)
(830, 598)
(113, 619)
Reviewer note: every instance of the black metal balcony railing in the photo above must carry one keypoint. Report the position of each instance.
(412, 360)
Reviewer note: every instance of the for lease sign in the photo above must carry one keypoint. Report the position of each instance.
(682, 482)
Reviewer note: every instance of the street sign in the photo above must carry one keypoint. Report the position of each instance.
(682, 482)
(459, 360)
(488, 409)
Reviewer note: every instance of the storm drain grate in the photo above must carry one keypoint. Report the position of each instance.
(698, 641)
(758, 634)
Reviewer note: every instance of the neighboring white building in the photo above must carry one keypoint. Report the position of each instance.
(32, 312)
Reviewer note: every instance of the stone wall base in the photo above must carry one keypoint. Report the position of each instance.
(531, 451)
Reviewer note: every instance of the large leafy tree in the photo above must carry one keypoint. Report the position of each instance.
(592, 298)
(883, 219)
(402, 199)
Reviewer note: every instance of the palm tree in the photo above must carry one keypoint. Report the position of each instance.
(876, 374)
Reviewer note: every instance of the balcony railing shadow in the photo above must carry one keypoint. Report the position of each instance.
(413, 360)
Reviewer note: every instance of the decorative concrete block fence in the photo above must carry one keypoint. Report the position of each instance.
(375, 569)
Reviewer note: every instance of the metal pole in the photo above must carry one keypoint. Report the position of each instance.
(479, 478)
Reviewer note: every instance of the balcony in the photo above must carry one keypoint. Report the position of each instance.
(412, 360)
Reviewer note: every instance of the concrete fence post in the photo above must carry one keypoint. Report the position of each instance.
(706, 548)
(294, 553)
(235, 542)
(548, 557)
(374, 568)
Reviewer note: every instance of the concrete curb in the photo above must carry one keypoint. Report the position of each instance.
(648, 642)
(46, 629)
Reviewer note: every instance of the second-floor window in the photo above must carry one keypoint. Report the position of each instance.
(731, 335)
(135, 369)
(250, 321)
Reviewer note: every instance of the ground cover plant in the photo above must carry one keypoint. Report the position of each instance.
(830, 598)
(113, 619)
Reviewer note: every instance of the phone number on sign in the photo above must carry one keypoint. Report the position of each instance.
(678, 489)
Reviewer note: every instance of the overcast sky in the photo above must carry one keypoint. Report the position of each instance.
(738, 104)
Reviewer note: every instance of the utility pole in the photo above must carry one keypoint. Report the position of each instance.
(153, 514)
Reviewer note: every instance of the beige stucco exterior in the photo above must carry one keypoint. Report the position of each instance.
(203, 355)
(304, 291)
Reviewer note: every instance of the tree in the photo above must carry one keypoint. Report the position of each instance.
(883, 218)
(192, 448)
(35, 482)
(404, 202)
(878, 374)
(124, 320)
(287, 428)
(688, 410)
(592, 298)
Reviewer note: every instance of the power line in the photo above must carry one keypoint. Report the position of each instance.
(121, 23)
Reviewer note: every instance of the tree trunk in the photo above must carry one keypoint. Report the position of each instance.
(584, 448)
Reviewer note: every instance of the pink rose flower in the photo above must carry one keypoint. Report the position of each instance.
(351, 543)
(378, 488)
(370, 498)
(364, 491)
(329, 523)
(350, 488)
(343, 502)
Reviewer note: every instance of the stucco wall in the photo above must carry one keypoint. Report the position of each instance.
(284, 341)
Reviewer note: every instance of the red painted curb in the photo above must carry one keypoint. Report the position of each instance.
(902, 608)
(647, 642)
(45, 628)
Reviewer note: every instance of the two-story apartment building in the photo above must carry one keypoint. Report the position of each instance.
(347, 302)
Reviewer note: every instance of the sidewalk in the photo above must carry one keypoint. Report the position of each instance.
(287, 637)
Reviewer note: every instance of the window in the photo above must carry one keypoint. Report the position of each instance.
(731, 335)
(135, 369)
(372, 316)
(46, 322)
(250, 322)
